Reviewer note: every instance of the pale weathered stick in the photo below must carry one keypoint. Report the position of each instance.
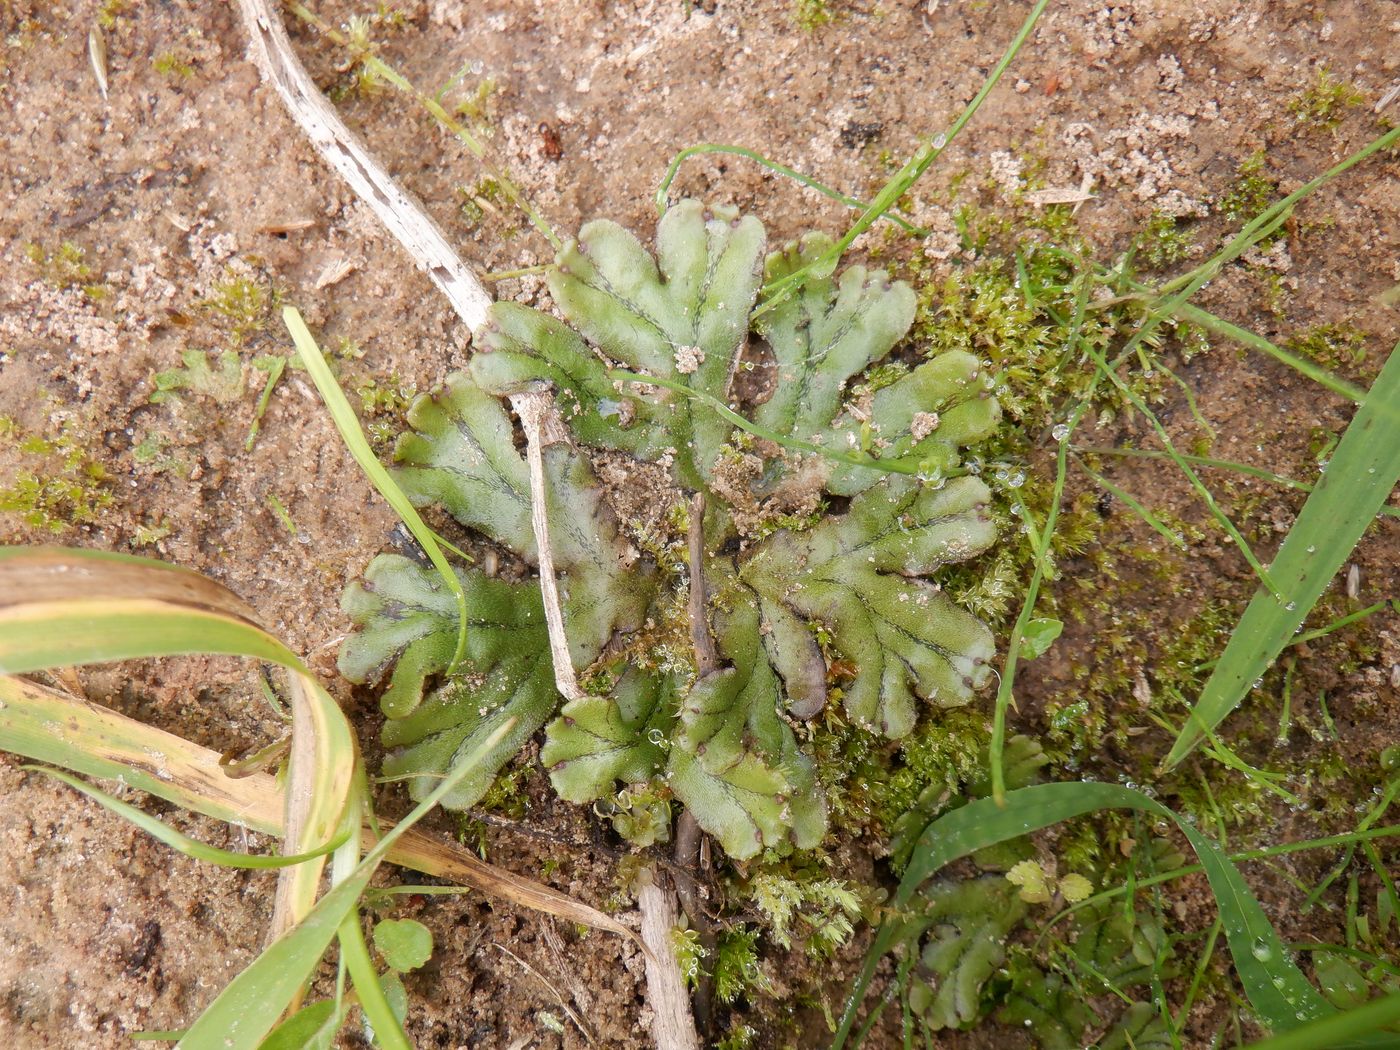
(673, 1027)
(534, 407)
(344, 152)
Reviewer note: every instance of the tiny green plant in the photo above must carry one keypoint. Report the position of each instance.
(1325, 102)
(61, 484)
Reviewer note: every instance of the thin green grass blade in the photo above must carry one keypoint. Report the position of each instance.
(1136, 507)
(1392, 604)
(246, 1011)
(381, 69)
(348, 425)
(1243, 336)
(742, 151)
(997, 746)
(1276, 988)
(1346, 499)
(1206, 495)
(179, 841)
(1225, 464)
(96, 742)
(1342, 1031)
(903, 179)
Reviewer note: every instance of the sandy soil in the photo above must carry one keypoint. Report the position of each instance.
(189, 175)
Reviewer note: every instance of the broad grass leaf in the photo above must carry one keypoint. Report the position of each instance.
(1345, 500)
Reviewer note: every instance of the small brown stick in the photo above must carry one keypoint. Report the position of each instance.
(706, 658)
(533, 408)
(687, 849)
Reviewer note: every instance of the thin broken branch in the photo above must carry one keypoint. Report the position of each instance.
(343, 151)
(534, 407)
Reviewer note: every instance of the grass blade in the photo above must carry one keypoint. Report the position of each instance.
(1341, 1031)
(909, 174)
(806, 180)
(349, 427)
(245, 1011)
(98, 742)
(1276, 988)
(62, 606)
(1346, 499)
(182, 843)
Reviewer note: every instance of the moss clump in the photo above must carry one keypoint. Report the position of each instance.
(173, 64)
(383, 402)
(58, 484)
(811, 15)
(1331, 345)
(241, 305)
(66, 267)
(1164, 241)
(1252, 192)
(1324, 103)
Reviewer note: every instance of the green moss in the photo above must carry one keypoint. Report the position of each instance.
(739, 1037)
(66, 267)
(173, 64)
(476, 106)
(816, 911)
(383, 402)
(1252, 192)
(811, 15)
(1324, 103)
(241, 305)
(57, 483)
(736, 970)
(1164, 241)
(110, 11)
(1331, 345)
(486, 197)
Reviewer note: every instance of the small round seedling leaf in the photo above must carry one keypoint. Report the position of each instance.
(1075, 888)
(1031, 877)
(1038, 636)
(406, 944)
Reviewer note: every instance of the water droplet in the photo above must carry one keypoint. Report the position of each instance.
(1060, 431)
(1261, 951)
(939, 141)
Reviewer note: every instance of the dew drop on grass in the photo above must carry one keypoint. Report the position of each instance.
(1060, 431)
(1262, 951)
